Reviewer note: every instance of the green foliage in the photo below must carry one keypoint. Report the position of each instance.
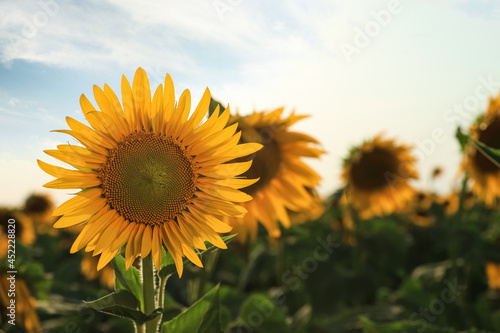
(127, 279)
(122, 304)
(204, 316)
(261, 313)
(401, 327)
(309, 280)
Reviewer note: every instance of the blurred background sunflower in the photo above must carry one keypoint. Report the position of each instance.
(25, 306)
(286, 183)
(484, 174)
(377, 175)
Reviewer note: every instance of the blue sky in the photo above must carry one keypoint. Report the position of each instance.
(416, 74)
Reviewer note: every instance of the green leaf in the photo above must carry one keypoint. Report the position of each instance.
(490, 153)
(202, 317)
(168, 265)
(261, 314)
(402, 327)
(122, 304)
(127, 279)
(462, 138)
(213, 105)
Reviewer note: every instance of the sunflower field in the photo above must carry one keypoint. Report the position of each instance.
(208, 221)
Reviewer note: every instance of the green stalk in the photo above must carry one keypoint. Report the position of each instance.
(455, 225)
(149, 292)
(139, 328)
(161, 297)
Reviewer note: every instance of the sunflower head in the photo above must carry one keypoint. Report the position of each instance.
(26, 315)
(493, 275)
(24, 230)
(283, 176)
(39, 207)
(484, 173)
(150, 175)
(377, 176)
(419, 209)
(450, 202)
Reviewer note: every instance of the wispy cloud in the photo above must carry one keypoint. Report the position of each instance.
(157, 33)
(263, 54)
(24, 111)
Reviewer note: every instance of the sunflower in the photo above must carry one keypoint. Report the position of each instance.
(377, 176)
(24, 230)
(451, 201)
(493, 274)
(484, 173)
(106, 275)
(39, 207)
(313, 212)
(419, 210)
(25, 309)
(284, 178)
(150, 177)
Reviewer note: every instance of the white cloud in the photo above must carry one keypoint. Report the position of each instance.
(280, 53)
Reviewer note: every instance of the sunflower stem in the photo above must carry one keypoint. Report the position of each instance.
(454, 229)
(149, 292)
(139, 328)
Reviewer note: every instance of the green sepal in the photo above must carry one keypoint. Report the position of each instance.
(462, 138)
(213, 106)
(122, 304)
(202, 317)
(491, 154)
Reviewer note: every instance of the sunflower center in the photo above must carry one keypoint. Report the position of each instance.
(489, 136)
(266, 164)
(372, 170)
(148, 178)
(36, 204)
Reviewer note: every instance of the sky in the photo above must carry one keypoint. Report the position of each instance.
(414, 70)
